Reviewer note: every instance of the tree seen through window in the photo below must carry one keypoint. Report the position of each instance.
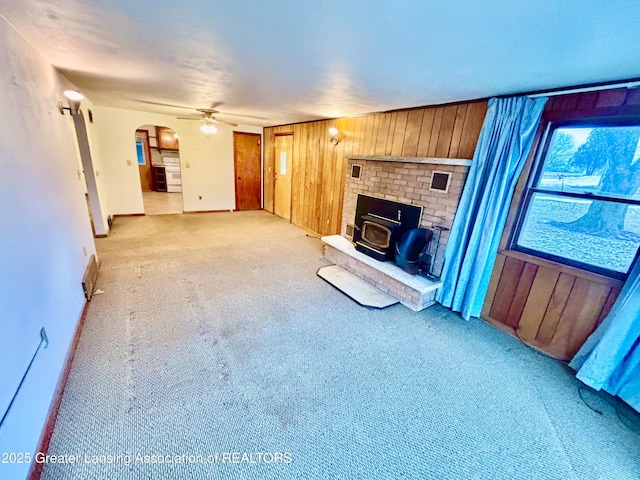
(584, 206)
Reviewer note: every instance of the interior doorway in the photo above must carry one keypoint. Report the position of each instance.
(247, 168)
(86, 171)
(158, 154)
(282, 176)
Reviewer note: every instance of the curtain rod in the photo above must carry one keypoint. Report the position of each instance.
(586, 88)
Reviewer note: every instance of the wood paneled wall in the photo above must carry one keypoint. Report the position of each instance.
(548, 305)
(319, 167)
(618, 102)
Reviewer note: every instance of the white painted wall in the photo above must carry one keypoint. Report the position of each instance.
(44, 228)
(207, 164)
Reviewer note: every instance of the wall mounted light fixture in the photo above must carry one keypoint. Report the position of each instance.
(74, 98)
(334, 135)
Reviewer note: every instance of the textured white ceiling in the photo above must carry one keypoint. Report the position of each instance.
(288, 61)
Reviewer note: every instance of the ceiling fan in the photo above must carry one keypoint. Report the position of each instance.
(207, 117)
(208, 121)
(203, 111)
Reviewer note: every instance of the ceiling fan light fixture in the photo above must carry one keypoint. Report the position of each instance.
(208, 128)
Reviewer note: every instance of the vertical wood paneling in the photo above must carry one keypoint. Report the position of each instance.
(606, 308)
(610, 98)
(392, 131)
(537, 302)
(412, 134)
(577, 322)
(633, 97)
(383, 134)
(328, 180)
(493, 284)
(371, 134)
(471, 130)
(309, 157)
(365, 134)
(319, 179)
(446, 130)
(521, 294)
(435, 132)
(338, 168)
(506, 286)
(587, 100)
(399, 133)
(555, 308)
(425, 132)
(357, 136)
(315, 177)
(319, 167)
(298, 167)
(457, 130)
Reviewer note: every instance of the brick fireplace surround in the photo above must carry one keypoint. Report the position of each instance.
(405, 180)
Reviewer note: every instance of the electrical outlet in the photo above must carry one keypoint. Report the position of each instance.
(128, 163)
(187, 165)
(84, 250)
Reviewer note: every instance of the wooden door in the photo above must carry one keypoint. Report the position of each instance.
(283, 163)
(247, 168)
(144, 160)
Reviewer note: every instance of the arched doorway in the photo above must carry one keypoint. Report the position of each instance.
(158, 150)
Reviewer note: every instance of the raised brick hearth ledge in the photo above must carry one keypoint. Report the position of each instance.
(413, 291)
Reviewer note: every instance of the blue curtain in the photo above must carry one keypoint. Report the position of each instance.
(505, 140)
(610, 358)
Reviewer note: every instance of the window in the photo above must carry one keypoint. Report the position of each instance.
(140, 152)
(582, 206)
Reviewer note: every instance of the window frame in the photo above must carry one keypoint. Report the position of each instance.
(144, 156)
(531, 189)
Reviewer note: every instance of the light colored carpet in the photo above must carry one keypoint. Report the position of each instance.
(162, 203)
(215, 335)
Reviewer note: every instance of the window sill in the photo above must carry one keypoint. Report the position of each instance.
(562, 268)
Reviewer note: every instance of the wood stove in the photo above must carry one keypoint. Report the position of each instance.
(380, 223)
(378, 236)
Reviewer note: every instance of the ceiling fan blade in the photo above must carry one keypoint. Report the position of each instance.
(160, 104)
(245, 116)
(195, 117)
(225, 123)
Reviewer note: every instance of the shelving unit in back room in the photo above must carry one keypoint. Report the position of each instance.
(160, 178)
